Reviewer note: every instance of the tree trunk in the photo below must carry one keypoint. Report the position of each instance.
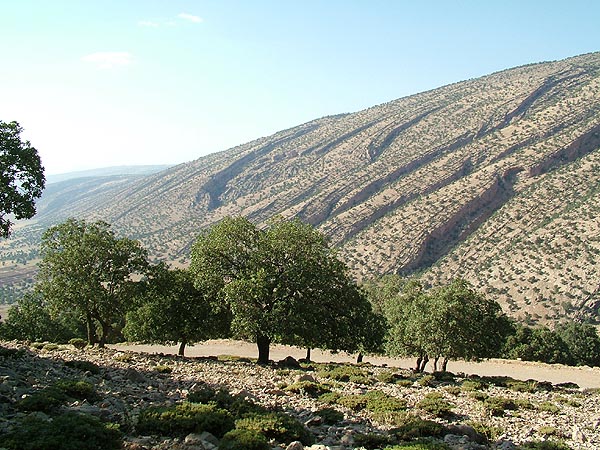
(105, 331)
(444, 364)
(418, 367)
(308, 355)
(435, 362)
(359, 358)
(91, 330)
(263, 343)
(182, 347)
(424, 363)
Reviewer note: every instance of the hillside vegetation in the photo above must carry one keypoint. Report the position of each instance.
(495, 180)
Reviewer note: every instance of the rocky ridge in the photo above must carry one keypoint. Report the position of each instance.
(129, 382)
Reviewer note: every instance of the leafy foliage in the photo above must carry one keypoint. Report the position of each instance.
(68, 431)
(240, 439)
(171, 309)
(282, 284)
(21, 176)
(278, 426)
(87, 269)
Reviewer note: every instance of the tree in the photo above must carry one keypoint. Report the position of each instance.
(171, 310)
(30, 319)
(282, 284)
(450, 322)
(582, 341)
(86, 268)
(21, 176)
(537, 344)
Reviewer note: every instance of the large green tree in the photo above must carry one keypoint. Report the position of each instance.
(21, 176)
(87, 268)
(450, 322)
(172, 310)
(282, 284)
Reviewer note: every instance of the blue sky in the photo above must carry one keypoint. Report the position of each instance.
(115, 82)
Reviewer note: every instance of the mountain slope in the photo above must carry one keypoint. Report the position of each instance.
(494, 179)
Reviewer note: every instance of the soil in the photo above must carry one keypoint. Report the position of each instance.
(585, 377)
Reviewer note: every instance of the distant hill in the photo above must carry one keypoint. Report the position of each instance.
(107, 171)
(495, 179)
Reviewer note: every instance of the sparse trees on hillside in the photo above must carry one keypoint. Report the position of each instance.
(282, 284)
(21, 176)
(170, 309)
(87, 269)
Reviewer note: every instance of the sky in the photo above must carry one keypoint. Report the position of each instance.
(121, 82)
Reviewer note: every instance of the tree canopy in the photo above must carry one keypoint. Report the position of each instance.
(282, 284)
(21, 176)
(170, 309)
(450, 322)
(86, 268)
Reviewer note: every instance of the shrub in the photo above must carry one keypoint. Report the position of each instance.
(453, 390)
(346, 373)
(185, 418)
(355, 402)
(330, 397)
(490, 432)
(221, 398)
(277, 426)
(45, 400)
(65, 432)
(426, 381)
(548, 407)
(549, 431)
(309, 388)
(498, 405)
(387, 376)
(330, 416)
(412, 427)
(11, 353)
(78, 343)
(80, 390)
(472, 385)
(479, 396)
(243, 440)
(51, 347)
(84, 366)
(371, 440)
(163, 369)
(380, 402)
(435, 404)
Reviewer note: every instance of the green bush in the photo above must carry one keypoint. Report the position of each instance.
(472, 385)
(163, 369)
(427, 381)
(346, 373)
(498, 405)
(51, 347)
(80, 390)
(84, 366)
(371, 440)
(330, 416)
(45, 401)
(309, 388)
(221, 398)
(387, 376)
(278, 426)
(185, 418)
(11, 353)
(413, 427)
(330, 398)
(244, 440)
(355, 402)
(380, 402)
(65, 432)
(78, 343)
(490, 432)
(479, 396)
(435, 404)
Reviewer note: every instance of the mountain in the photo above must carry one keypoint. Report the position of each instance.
(494, 179)
(105, 172)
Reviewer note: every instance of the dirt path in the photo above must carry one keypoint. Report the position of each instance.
(585, 377)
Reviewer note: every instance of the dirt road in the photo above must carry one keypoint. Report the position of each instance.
(585, 377)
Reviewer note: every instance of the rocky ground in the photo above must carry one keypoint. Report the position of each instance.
(129, 382)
